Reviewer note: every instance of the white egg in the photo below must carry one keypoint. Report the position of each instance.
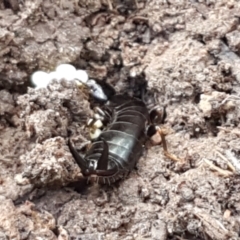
(55, 76)
(81, 76)
(95, 134)
(98, 124)
(40, 79)
(66, 71)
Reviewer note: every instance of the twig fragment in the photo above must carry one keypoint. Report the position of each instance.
(226, 160)
(222, 172)
(233, 161)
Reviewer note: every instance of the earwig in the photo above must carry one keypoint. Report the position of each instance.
(115, 152)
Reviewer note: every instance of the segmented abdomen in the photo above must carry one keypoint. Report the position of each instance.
(125, 135)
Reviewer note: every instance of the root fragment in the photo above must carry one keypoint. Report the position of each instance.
(219, 170)
(229, 164)
(232, 162)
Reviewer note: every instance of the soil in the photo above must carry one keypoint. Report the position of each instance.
(188, 55)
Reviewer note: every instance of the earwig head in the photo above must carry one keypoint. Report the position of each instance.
(99, 90)
(96, 90)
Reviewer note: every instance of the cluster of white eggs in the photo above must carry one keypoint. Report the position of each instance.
(41, 79)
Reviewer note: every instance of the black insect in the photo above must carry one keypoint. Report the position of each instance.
(115, 152)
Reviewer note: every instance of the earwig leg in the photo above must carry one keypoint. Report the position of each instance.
(100, 112)
(157, 116)
(103, 115)
(163, 133)
(153, 132)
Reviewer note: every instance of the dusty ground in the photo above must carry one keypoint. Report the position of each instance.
(188, 52)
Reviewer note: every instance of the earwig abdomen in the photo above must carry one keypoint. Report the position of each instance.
(115, 152)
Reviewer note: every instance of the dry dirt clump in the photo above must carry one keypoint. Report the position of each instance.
(25, 222)
(186, 53)
(46, 115)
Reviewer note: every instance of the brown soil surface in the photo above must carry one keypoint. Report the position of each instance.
(188, 52)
